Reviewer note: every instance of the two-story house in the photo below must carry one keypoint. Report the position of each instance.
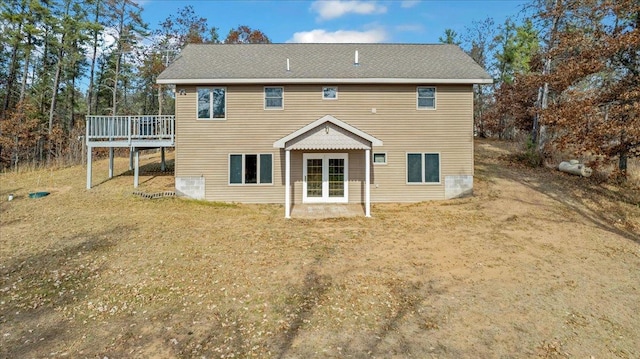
(324, 123)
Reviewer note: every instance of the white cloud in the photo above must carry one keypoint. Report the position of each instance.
(409, 3)
(331, 9)
(410, 28)
(106, 39)
(340, 36)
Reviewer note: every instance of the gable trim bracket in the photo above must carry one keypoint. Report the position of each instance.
(281, 143)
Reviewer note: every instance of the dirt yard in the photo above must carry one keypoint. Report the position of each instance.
(536, 264)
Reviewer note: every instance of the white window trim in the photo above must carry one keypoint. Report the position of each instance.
(373, 157)
(243, 167)
(422, 157)
(211, 118)
(264, 99)
(435, 99)
(329, 99)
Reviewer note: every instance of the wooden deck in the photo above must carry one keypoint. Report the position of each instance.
(135, 132)
(130, 131)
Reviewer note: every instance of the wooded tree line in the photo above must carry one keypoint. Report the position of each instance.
(566, 80)
(63, 59)
(566, 74)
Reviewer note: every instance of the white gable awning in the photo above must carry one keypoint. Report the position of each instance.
(328, 133)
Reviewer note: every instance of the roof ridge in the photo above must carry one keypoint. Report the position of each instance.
(317, 62)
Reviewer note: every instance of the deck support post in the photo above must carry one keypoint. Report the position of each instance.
(287, 184)
(136, 172)
(110, 162)
(131, 149)
(367, 183)
(89, 150)
(163, 165)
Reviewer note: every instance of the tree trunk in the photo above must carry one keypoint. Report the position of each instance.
(72, 120)
(100, 82)
(543, 100)
(543, 92)
(44, 69)
(623, 155)
(124, 94)
(622, 163)
(115, 85)
(159, 100)
(118, 58)
(93, 62)
(54, 88)
(11, 78)
(12, 72)
(25, 71)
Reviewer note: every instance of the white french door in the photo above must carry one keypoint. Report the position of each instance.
(325, 177)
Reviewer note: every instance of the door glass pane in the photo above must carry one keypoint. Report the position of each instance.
(414, 168)
(235, 169)
(265, 169)
(336, 177)
(432, 167)
(250, 168)
(314, 177)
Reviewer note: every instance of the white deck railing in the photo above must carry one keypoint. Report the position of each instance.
(130, 128)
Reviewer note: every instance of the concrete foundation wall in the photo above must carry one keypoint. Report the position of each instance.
(192, 187)
(458, 186)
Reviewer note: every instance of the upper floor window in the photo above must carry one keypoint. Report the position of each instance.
(273, 98)
(329, 93)
(212, 103)
(426, 98)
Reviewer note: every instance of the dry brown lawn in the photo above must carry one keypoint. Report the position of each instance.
(536, 264)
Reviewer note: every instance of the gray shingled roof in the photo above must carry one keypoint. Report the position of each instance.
(261, 63)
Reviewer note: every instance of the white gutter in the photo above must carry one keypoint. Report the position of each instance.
(319, 81)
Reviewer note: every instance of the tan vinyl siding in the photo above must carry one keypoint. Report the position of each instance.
(203, 146)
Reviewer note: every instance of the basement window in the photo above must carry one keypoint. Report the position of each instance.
(251, 169)
(379, 158)
(423, 168)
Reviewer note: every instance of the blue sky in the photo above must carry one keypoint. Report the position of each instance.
(341, 20)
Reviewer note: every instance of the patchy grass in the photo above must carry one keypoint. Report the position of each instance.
(536, 264)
